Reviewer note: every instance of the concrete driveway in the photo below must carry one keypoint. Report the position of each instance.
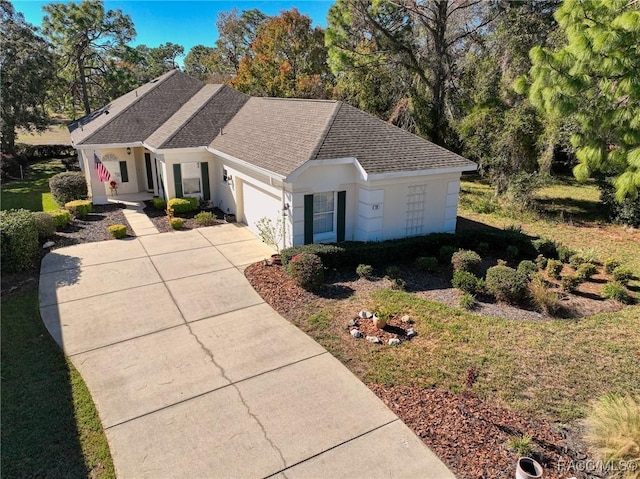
(194, 375)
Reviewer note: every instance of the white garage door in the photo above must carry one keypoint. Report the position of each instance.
(259, 204)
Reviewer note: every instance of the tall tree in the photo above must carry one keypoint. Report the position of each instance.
(422, 40)
(201, 62)
(26, 73)
(87, 38)
(499, 128)
(288, 59)
(594, 78)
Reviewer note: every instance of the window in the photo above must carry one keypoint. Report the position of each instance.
(415, 209)
(323, 213)
(191, 184)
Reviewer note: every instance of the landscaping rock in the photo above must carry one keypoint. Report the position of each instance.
(394, 342)
(365, 314)
(48, 244)
(352, 322)
(356, 334)
(407, 319)
(374, 339)
(411, 333)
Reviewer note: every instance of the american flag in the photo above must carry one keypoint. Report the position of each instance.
(103, 173)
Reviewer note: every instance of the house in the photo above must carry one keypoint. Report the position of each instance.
(330, 171)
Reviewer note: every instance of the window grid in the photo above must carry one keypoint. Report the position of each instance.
(323, 211)
(415, 209)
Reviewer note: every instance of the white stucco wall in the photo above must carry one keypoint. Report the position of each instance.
(131, 186)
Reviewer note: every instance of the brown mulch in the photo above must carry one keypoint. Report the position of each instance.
(471, 435)
(91, 229)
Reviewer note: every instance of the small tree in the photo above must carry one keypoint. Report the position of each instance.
(271, 232)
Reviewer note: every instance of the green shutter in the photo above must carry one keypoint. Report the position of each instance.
(124, 173)
(308, 219)
(177, 179)
(206, 190)
(342, 206)
(147, 164)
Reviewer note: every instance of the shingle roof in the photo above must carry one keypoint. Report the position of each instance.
(207, 122)
(151, 110)
(381, 147)
(276, 134)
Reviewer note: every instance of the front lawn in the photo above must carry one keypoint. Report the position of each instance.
(50, 427)
(32, 193)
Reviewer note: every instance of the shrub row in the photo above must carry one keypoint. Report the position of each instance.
(38, 152)
(18, 240)
(182, 205)
(352, 253)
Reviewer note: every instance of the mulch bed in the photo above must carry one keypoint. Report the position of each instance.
(470, 435)
(161, 221)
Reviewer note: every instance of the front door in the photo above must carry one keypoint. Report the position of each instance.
(147, 164)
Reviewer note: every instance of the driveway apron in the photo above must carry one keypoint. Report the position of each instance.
(194, 375)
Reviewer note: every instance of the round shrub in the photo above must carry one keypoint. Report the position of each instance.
(45, 224)
(159, 203)
(506, 284)
(176, 223)
(622, 274)
(182, 205)
(61, 217)
(205, 218)
(564, 253)
(427, 263)
(554, 268)
(482, 248)
(445, 253)
(512, 251)
(118, 231)
(576, 260)
(18, 240)
(586, 270)
(79, 208)
(392, 272)
(610, 264)
(528, 268)
(467, 282)
(569, 284)
(307, 271)
(364, 271)
(68, 186)
(466, 260)
(616, 291)
(545, 247)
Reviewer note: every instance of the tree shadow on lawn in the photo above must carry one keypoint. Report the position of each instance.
(577, 210)
(40, 437)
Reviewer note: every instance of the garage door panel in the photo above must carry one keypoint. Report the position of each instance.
(259, 204)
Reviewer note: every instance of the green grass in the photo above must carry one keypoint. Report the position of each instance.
(50, 427)
(56, 134)
(32, 193)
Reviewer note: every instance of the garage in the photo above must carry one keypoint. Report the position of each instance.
(258, 204)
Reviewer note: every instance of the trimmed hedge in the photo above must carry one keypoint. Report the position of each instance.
(45, 224)
(467, 282)
(307, 271)
(352, 253)
(79, 208)
(159, 203)
(18, 240)
(506, 284)
(68, 186)
(466, 260)
(118, 231)
(182, 205)
(62, 217)
(176, 223)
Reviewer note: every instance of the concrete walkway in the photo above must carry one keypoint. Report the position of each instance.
(194, 375)
(137, 219)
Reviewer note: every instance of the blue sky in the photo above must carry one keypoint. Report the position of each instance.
(186, 23)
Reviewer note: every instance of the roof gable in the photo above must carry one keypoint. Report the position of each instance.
(150, 111)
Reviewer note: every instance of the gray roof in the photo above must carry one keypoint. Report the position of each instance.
(276, 134)
(381, 147)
